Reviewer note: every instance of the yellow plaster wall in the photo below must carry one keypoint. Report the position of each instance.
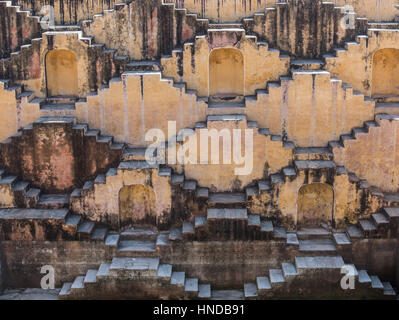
(355, 65)
(374, 156)
(260, 65)
(138, 103)
(268, 157)
(311, 109)
(102, 203)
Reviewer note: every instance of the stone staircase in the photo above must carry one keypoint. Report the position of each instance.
(298, 277)
(135, 278)
(48, 225)
(29, 25)
(22, 194)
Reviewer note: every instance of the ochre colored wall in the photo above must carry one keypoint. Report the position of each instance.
(234, 10)
(386, 73)
(374, 156)
(355, 65)
(136, 204)
(226, 72)
(192, 64)
(311, 109)
(61, 73)
(103, 204)
(315, 204)
(268, 157)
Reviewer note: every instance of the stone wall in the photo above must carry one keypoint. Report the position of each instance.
(310, 109)
(17, 29)
(235, 10)
(56, 157)
(359, 59)
(374, 155)
(212, 262)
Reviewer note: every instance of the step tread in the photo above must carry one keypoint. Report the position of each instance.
(103, 270)
(86, 227)
(341, 238)
(112, 240)
(319, 262)
(191, 285)
(165, 271)
(204, 291)
(54, 198)
(66, 289)
(263, 283)
(364, 277)
(175, 234)
(78, 283)
(137, 246)
(135, 264)
(250, 290)
(317, 245)
(227, 295)
(178, 278)
(289, 269)
(276, 276)
(226, 198)
(91, 276)
(227, 213)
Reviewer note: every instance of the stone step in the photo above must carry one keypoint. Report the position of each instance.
(392, 213)
(73, 221)
(65, 290)
(313, 233)
(341, 239)
(263, 284)
(86, 228)
(391, 198)
(376, 282)
(227, 295)
(387, 107)
(364, 277)
(99, 234)
(53, 201)
(313, 153)
(317, 245)
(175, 234)
(143, 65)
(227, 198)
(307, 64)
(276, 277)
(280, 233)
(204, 291)
(354, 232)
(314, 164)
(112, 240)
(388, 290)
(58, 107)
(367, 227)
(225, 105)
(254, 220)
(130, 154)
(289, 270)
(250, 290)
(227, 214)
(292, 239)
(139, 233)
(162, 239)
(165, 271)
(91, 276)
(191, 285)
(318, 262)
(103, 270)
(133, 266)
(78, 283)
(178, 279)
(136, 246)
